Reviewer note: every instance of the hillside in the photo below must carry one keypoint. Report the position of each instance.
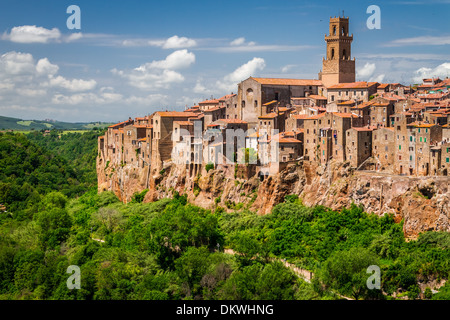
(7, 123)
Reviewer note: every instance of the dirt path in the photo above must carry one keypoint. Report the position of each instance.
(302, 273)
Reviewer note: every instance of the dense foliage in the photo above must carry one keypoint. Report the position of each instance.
(171, 249)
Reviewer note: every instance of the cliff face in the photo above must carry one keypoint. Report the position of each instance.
(423, 202)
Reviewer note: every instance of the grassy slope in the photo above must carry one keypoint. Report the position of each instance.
(7, 123)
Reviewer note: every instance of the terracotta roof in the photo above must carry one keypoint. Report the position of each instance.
(345, 115)
(383, 85)
(364, 128)
(287, 140)
(346, 102)
(225, 97)
(214, 109)
(316, 97)
(232, 121)
(317, 116)
(288, 82)
(269, 103)
(381, 104)
(300, 116)
(184, 123)
(176, 114)
(268, 116)
(120, 123)
(213, 101)
(420, 125)
(353, 85)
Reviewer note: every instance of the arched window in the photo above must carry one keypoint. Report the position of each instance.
(344, 54)
(256, 103)
(334, 30)
(332, 53)
(243, 103)
(343, 31)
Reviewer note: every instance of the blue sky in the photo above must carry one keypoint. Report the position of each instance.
(135, 57)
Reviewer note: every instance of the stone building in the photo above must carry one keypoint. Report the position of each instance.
(259, 96)
(383, 148)
(358, 145)
(338, 66)
(324, 135)
(162, 143)
(357, 91)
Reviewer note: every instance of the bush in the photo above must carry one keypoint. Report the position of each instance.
(209, 166)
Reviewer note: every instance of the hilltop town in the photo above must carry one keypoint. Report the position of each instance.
(387, 127)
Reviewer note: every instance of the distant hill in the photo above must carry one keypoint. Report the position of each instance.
(7, 123)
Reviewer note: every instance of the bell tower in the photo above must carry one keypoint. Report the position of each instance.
(338, 66)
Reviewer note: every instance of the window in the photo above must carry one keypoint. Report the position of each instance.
(332, 53)
(420, 139)
(425, 139)
(276, 96)
(332, 98)
(334, 30)
(447, 160)
(410, 138)
(399, 147)
(243, 104)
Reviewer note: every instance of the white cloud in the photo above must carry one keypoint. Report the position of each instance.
(177, 60)
(158, 74)
(73, 85)
(378, 78)
(288, 67)
(366, 71)
(32, 34)
(176, 42)
(241, 42)
(199, 88)
(248, 69)
(237, 42)
(45, 67)
(420, 41)
(16, 63)
(33, 92)
(74, 37)
(441, 71)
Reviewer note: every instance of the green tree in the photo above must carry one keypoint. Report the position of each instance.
(345, 271)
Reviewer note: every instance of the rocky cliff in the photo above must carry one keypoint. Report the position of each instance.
(422, 202)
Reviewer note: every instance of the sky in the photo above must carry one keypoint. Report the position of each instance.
(132, 58)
